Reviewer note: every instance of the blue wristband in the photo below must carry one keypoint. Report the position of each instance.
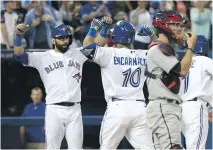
(18, 40)
(92, 32)
(104, 32)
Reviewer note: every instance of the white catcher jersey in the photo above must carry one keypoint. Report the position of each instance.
(60, 73)
(122, 72)
(198, 82)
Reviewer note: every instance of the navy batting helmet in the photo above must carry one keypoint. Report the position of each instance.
(123, 32)
(201, 45)
(61, 31)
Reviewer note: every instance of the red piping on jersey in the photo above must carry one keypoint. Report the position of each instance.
(157, 43)
(172, 84)
(153, 43)
(168, 54)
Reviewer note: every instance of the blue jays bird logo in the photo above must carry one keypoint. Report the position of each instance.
(77, 76)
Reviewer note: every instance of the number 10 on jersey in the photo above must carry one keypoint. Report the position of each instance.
(133, 78)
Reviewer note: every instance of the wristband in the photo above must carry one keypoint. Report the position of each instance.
(190, 49)
(92, 32)
(18, 40)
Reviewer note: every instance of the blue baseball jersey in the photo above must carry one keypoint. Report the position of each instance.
(34, 134)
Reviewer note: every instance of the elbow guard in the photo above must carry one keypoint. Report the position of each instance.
(23, 58)
(89, 51)
(176, 70)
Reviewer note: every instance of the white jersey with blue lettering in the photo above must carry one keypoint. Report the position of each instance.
(122, 72)
(198, 82)
(196, 93)
(60, 73)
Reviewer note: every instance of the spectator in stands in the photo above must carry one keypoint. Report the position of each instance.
(181, 7)
(27, 4)
(56, 15)
(76, 22)
(118, 6)
(21, 12)
(41, 22)
(93, 10)
(154, 7)
(8, 23)
(201, 19)
(75, 43)
(138, 17)
(167, 5)
(65, 12)
(33, 137)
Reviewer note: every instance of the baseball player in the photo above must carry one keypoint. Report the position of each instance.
(61, 72)
(196, 93)
(163, 72)
(122, 71)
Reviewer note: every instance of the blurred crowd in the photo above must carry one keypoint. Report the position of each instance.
(41, 16)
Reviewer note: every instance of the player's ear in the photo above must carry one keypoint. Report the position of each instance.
(53, 41)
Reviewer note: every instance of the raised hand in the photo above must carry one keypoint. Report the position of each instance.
(36, 22)
(21, 28)
(96, 24)
(107, 20)
(191, 39)
(146, 31)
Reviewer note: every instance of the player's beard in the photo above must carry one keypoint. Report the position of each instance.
(62, 48)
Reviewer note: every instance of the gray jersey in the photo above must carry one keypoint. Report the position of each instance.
(157, 62)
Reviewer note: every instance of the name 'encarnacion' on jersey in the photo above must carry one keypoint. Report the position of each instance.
(60, 64)
(129, 61)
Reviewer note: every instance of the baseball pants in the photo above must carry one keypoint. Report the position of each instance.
(164, 120)
(195, 124)
(125, 118)
(63, 121)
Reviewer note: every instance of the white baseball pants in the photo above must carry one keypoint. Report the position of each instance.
(63, 120)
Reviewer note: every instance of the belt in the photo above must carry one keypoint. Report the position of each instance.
(117, 99)
(196, 99)
(168, 100)
(66, 103)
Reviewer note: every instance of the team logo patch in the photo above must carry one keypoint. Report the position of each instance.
(77, 76)
(64, 28)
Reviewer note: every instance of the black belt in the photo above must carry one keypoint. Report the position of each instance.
(117, 99)
(168, 100)
(66, 103)
(195, 99)
(172, 100)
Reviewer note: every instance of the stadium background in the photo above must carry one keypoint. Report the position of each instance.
(17, 81)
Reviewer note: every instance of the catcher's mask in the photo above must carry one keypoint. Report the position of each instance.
(163, 20)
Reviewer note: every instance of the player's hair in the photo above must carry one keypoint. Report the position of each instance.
(36, 89)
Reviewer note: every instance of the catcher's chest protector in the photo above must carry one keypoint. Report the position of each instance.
(171, 81)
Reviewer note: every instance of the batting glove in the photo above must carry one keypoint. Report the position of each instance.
(146, 31)
(96, 24)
